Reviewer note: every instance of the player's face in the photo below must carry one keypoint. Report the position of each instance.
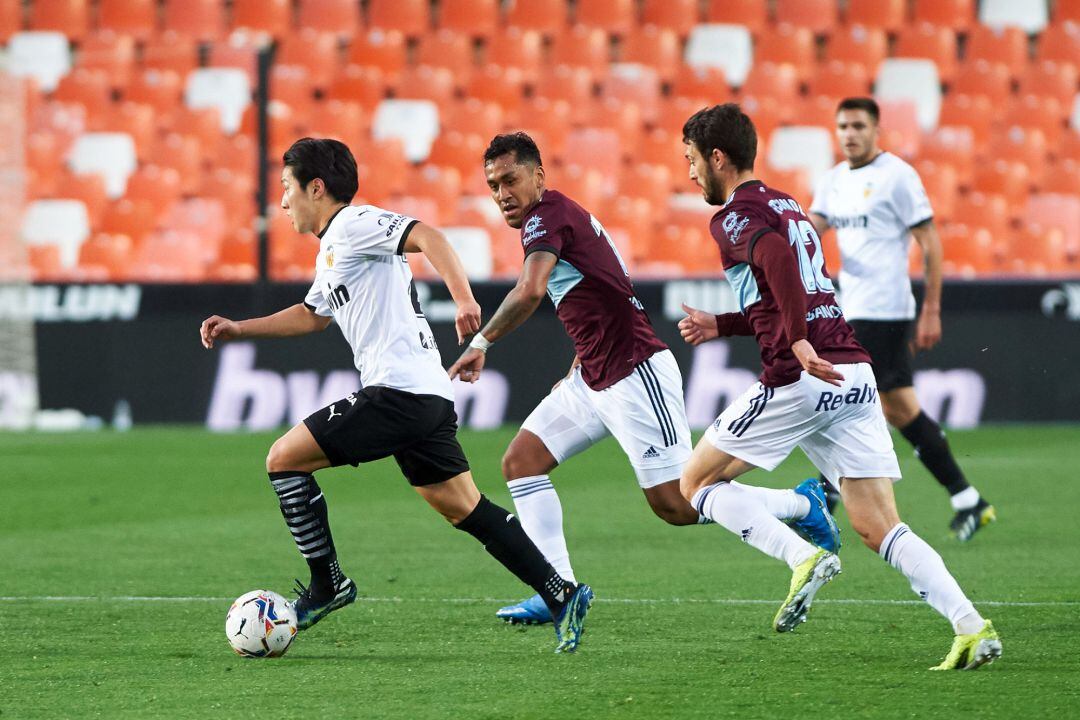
(702, 173)
(298, 203)
(515, 186)
(857, 134)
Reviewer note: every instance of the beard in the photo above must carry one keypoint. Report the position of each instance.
(712, 188)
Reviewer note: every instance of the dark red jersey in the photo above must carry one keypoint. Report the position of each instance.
(591, 290)
(772, 257)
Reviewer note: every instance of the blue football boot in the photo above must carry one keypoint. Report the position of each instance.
(530, 611)
(818, 525)
(310, 610)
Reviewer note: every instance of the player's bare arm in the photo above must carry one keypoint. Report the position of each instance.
(928, 328)
(518, 305)
(295, 320)
(426, 239)
(820, 223)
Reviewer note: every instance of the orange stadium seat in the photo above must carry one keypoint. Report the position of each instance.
(237, 153)
(582, 47)
(201, 123)
(237, 193)
(478, 18)
(1061, 42)
(957, 14)
(975, 111)
(462, 151)
(112, 53)
(11, 18)
(517, 48)
(1038, 111)
(596, 149)
(819, 109)
(969, 250)
(411, 17)
(775, 80)
(838, 78)
(900, 132)
(942, 187)
(342, 120)
(472, 115)
(788, 44)
(442, 185)
(314, 50)
(137, 120)
(159, 88)
(701, 83)
(137, 18)
(1008, 45)
(549, 122)
(380, 49)
(612, 16)
(677, 15)
(340, 18)
(450, 49)
(90, 88)
(165, 256)
(240, 248)
(70, 17)
(363, 84)
(637, 84)
(633, 216)
(242, 56)
(424, 82)
(931, 42)
(818, 15)
(1062, 175)
(655, 46)
(1067, 10)
(565, 82)
(1027, 145)
(986, 210)
(550, 17)
(953, 145)
(752, 14)
(1008, 178)
(625, 119)
(1058, 210)
(273, 17)
(1040, 250)
(114, 252)
(130, 217)
(155, 184)
(647, 182)
(88, 188)
(203, 20)
(182, 153)
(505, 86)
(857, 43)
(889, 15)
(1050, 79)
(45, 265)
(173, 52)
(983, 77)
(292, 85)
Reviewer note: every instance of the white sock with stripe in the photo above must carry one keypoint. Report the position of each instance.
(739, 511)
(929, 578)
(785, 505)
(540, 513)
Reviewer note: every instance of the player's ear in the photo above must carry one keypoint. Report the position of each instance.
(540, 177)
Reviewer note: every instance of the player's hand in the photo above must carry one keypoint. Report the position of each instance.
(468, 366)
(216, 327)
(467, 321)
(819, 368)
(928, 330)
(698, 326)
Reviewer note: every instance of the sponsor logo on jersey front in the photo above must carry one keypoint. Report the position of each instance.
(533, 230)
(829, 401)
(733, 225)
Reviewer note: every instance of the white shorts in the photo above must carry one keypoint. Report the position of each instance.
(841, 429)
(644, 411)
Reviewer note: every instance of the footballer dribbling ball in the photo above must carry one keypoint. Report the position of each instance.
(260, 624)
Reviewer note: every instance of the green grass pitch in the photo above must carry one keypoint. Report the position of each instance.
(121, 553)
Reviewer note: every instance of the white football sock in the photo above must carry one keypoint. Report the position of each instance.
(785, 505)
(742, 513)
(930, 579)
(965, 499)
(540, 513)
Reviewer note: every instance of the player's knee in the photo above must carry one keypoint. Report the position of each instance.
(676, 513)
(899, 417)
(517, 464)
(871, 533)
(278, 459)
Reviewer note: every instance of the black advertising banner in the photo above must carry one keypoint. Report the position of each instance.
(1010, 353)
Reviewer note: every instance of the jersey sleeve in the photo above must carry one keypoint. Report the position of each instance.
(735, 230)
(543, 230)
(379, 232)
(910, 200)
(316, 301)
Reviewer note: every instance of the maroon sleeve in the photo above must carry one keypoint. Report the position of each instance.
(773, 255)
(544, 230)
(734, 323)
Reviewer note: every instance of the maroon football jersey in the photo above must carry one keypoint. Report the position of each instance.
(591, 289)
(753, 211)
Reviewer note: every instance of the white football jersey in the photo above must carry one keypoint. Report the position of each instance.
(873, 209)
(364, 282)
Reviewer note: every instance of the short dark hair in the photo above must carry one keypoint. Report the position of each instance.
(861, 103)
(331, 160)
(519, 143)
(725, 128)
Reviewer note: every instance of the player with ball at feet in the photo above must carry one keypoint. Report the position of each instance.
(406, 405)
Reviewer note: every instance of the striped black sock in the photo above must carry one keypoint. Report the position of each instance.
(304, 509)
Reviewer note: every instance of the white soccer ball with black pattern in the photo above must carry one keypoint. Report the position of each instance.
(260, 624)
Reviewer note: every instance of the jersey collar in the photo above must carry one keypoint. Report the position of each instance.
(328, 222)
(740, 186)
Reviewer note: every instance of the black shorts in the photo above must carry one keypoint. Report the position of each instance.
(889, 345)
(420, 431)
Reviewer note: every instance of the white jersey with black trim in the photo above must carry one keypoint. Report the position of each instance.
(873, 209)
(363, 281)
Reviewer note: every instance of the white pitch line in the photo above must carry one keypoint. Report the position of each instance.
(621, 601)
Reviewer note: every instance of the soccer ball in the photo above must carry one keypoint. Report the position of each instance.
(260, 623)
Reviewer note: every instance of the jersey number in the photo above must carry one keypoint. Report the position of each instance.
(800, 234)
(601, 232)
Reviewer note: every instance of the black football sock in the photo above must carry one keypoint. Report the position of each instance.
(933, 449)
(503, 537)
(304, 509)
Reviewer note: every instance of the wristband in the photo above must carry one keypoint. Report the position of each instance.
(480, 342)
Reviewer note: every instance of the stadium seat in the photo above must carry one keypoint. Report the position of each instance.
(775, 80)
(1024, 144)
(1058, 210)
(802, 148)
(90, 88)
(238, 257)
(129, 217)
(161, 89)
(505, 86)
(1049, 78)
(643, 181)
(114, 54)
(273, 17)
(137, 18)
(1040, 250)
(154, 184)
(450, 49)
(969, 250)
(614, 17)
(889, 15)
(655, 46)
(166, 256)
(359, 83)
(381, 49)
(1062, 175)
(43, 56)
(184, 154)
(340, 18)
(226, 89)
(317, 51)
(549, 122)
(634, 83)
(596, 149)
(818, 15)
(424, 82)
(134, 119)
(788, 44)
(476, 18)
(679, 16)
(915, 80)
(472, 115)
(1008, 45)
(384, 169)
(44, 153)
(414, 122)
(704, 83)
(473, 246)
(984, 77)
(900, 132)
(1038, 111)
(549, 17)
(751, 14)
(11, 18)
(171, 51)
(69, 17)
(46, 264)
(203, 217)
(114, 252)
(976, 112)
(860, 44)
(111, 155)
(463, 152)
(957, 14)
(517, 48)
(728, 47)
(1061, 42)
(63, 223)
(1028, 15)
(565, 82)
(837, 78)
(202, 20)
(204, 124)
(410, 17)
(89, 189)
(291, 84)
(931, 42)
(768, 114)
(582, 47)
(820, 110)
(1008, 178)
(942, 187)
(342, 120)
(978, 209)
(585, 184)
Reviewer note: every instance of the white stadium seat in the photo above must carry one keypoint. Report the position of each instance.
(728, 47)
(473, 246)
(44, 56)
(64, 223)
(414, 122)
(226, 89)
(914, 80)
(1029, 15)
(109, 154)
(799, 147)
